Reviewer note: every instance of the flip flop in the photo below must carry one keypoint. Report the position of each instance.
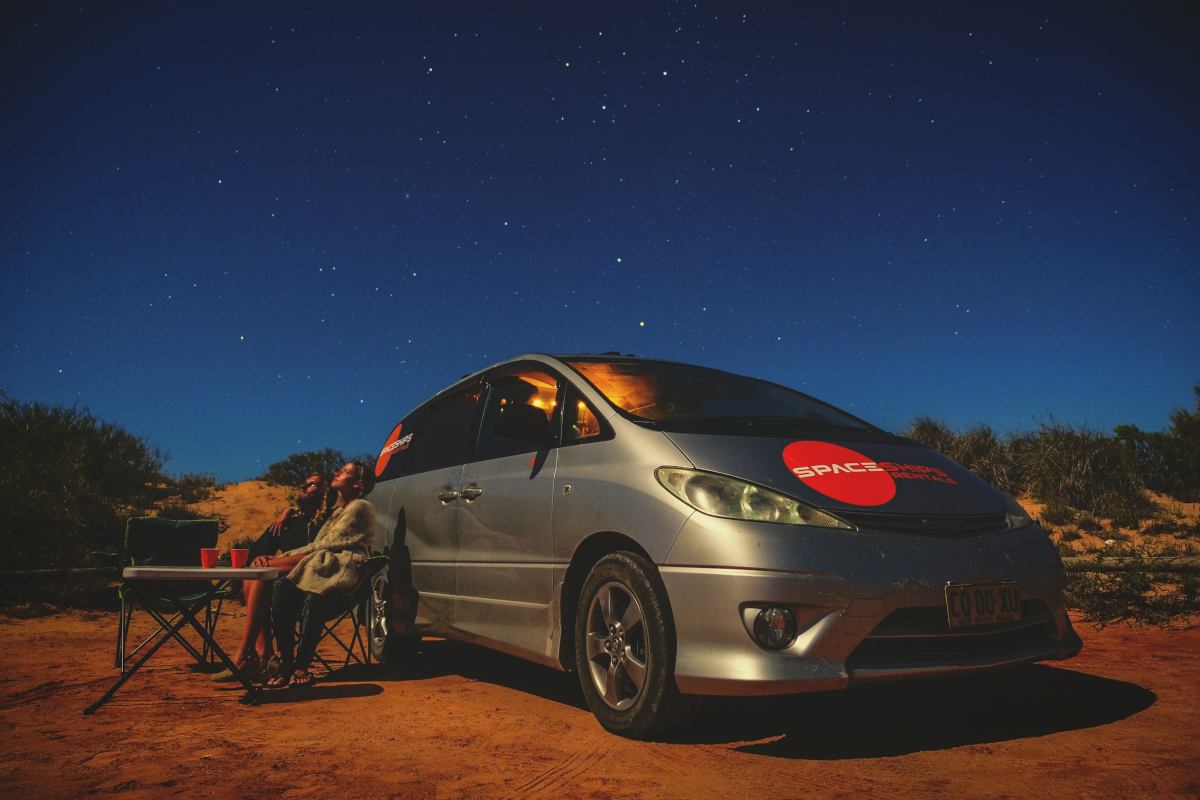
(301, 679)
(282, 678)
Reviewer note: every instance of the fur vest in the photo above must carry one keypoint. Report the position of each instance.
(333, 561)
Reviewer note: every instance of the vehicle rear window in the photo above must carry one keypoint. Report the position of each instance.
(674, 394)
(440, 434)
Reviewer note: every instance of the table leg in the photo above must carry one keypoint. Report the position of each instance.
(251, 691)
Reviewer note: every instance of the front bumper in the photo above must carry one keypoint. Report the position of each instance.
(869, 605)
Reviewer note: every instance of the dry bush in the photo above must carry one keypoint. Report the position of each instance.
(1084, 470)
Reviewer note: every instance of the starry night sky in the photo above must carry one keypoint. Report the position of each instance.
(243, 231)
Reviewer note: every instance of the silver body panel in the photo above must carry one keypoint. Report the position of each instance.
(491, 569)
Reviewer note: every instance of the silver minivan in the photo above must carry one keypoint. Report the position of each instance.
(668, 530)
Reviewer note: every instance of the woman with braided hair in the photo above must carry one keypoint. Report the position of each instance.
(316, 573)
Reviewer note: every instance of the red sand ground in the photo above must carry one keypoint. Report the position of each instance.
(1120, 720)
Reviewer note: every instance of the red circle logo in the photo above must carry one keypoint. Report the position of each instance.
(390, 447)
(840, 473)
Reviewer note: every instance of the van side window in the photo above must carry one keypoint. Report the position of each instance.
(580, 422)
(519, 416)
(443, 432)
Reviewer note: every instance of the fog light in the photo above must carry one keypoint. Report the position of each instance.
(775, 628)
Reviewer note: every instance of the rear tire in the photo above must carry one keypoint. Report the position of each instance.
(625, 648)
(386, 645)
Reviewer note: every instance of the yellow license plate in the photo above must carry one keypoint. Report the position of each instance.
(970, 604)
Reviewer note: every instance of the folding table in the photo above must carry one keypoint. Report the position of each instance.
(217, 578)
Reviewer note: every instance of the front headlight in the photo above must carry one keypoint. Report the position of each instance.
(722, 496)
(1017, 518)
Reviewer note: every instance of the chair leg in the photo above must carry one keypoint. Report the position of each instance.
(123, 653)
(207, 627)
(120, 633)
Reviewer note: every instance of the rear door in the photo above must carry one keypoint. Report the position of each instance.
(505, 571)
(434, 443)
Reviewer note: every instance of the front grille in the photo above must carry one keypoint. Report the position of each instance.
(951, 525)
(915, 636)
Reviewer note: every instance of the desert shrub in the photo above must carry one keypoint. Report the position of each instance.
(1088, 523)
(1136, 593)
(1169, 460)
(195, 487)
(298, 466)
(38, 595)
(1084, 470)
(934, 434)
(1180, 529)
(978, 449)
(1058, 514)
(1069, 534)
(68, 481)
(242, 541)
(179, 512)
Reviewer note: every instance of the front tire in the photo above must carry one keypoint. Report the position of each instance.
(625, 648)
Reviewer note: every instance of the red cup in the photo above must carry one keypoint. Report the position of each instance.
(238, 556)
(208, 557)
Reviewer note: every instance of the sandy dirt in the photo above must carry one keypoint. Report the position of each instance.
(1120, 720)
(246, 507)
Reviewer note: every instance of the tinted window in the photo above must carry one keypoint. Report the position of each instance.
(520, 414)
(680, 395)
(437, 435)
(581, 423)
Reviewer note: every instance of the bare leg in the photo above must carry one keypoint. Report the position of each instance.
(258, 608)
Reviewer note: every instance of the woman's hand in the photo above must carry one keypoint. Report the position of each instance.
(261, 561)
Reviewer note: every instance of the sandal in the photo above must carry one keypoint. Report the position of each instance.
(271, 667)
(250, 669)
(301, 678)
(282, 678)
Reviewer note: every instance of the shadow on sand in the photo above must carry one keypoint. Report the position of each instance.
(319, 691)
(902, 718)
(867, 722)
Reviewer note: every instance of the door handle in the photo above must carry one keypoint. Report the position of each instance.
(447, 496)
(470, 493)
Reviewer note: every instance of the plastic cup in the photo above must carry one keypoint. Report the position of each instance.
(238, 556)
(208, 557)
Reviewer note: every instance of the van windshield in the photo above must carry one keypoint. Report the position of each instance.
(684, 397)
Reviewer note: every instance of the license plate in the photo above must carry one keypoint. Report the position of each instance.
(970, 604)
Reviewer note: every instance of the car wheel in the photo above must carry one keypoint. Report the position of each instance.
(625, 648)
(385, 644)
(377, 618)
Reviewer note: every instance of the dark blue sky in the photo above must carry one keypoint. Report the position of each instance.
(242, 231)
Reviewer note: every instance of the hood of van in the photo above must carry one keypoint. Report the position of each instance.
(892, 477)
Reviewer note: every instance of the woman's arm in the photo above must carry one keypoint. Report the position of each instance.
(284, 563)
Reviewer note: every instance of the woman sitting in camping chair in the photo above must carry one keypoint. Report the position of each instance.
(294, 528)
(318, 572)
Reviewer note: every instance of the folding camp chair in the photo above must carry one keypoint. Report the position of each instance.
(157, 542)
(358, 609)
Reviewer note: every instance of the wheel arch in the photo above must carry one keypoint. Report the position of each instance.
(589, 551)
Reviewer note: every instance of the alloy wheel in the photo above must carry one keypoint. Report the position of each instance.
(617, 652)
